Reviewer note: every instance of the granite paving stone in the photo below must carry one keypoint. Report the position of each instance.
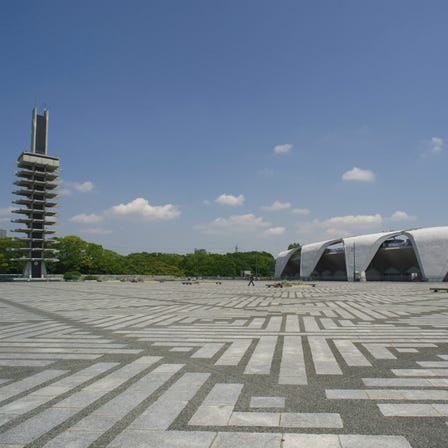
(161, 364)
(267, 402)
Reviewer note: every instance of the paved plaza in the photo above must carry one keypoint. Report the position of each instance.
(128, 365)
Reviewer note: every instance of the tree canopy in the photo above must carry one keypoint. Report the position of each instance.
(77, 255)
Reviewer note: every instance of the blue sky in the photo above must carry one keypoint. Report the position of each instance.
(186, 124)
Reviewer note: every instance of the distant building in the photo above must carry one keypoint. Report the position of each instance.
(403, 255)
(37, 182)
(2, 233)
(200, 251)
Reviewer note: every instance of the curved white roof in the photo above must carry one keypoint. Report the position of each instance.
(282, 260)
(430, 246)
(311, 254)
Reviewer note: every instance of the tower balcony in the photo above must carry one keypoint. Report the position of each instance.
(38, 175)
(33, 161)
(29, 221)
(38, 202)
(31, 183)
(35, 240)
(28, 231)
(30, 211)
(34, 249)
(34, 259)
(33, 192)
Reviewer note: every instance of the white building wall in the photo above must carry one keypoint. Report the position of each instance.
(431, 246)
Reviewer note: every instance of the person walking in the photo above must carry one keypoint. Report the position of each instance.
(251, 281)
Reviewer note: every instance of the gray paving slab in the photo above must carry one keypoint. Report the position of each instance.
(292, 366)
(311, 441)
(163, 439)
(310, 420)
(17, 387)
(261, 360)
(267, 402)
(243, 439)
(367, 441)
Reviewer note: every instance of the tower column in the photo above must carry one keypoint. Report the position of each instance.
(37, 179)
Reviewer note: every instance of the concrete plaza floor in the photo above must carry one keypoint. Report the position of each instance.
(339, 365)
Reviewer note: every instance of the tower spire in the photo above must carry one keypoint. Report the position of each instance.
(39, 132)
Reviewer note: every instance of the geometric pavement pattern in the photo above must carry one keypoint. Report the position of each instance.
(338, 365)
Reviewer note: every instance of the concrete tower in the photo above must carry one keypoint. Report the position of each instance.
(37, 182)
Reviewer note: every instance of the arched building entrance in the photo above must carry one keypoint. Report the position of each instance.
(331, 265)
(395, 260)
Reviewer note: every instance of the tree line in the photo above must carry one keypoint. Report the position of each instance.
(77, 255)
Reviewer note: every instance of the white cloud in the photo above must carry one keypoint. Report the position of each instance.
(83, 187)
(352, 221)
(276, 205)
(436, 145)
(228, 199)
(238, 223)
(83, 218)
(274, 231)
(282, 149)
(301, 211)
(400, 215)
(141, 207)
(359, 174)
(80, 187)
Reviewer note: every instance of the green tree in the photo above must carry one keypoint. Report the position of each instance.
(7, 253)
(72, 255)
(144, 263)
(294, 246)
(113, 263)
(192, 264)
(94, 259)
